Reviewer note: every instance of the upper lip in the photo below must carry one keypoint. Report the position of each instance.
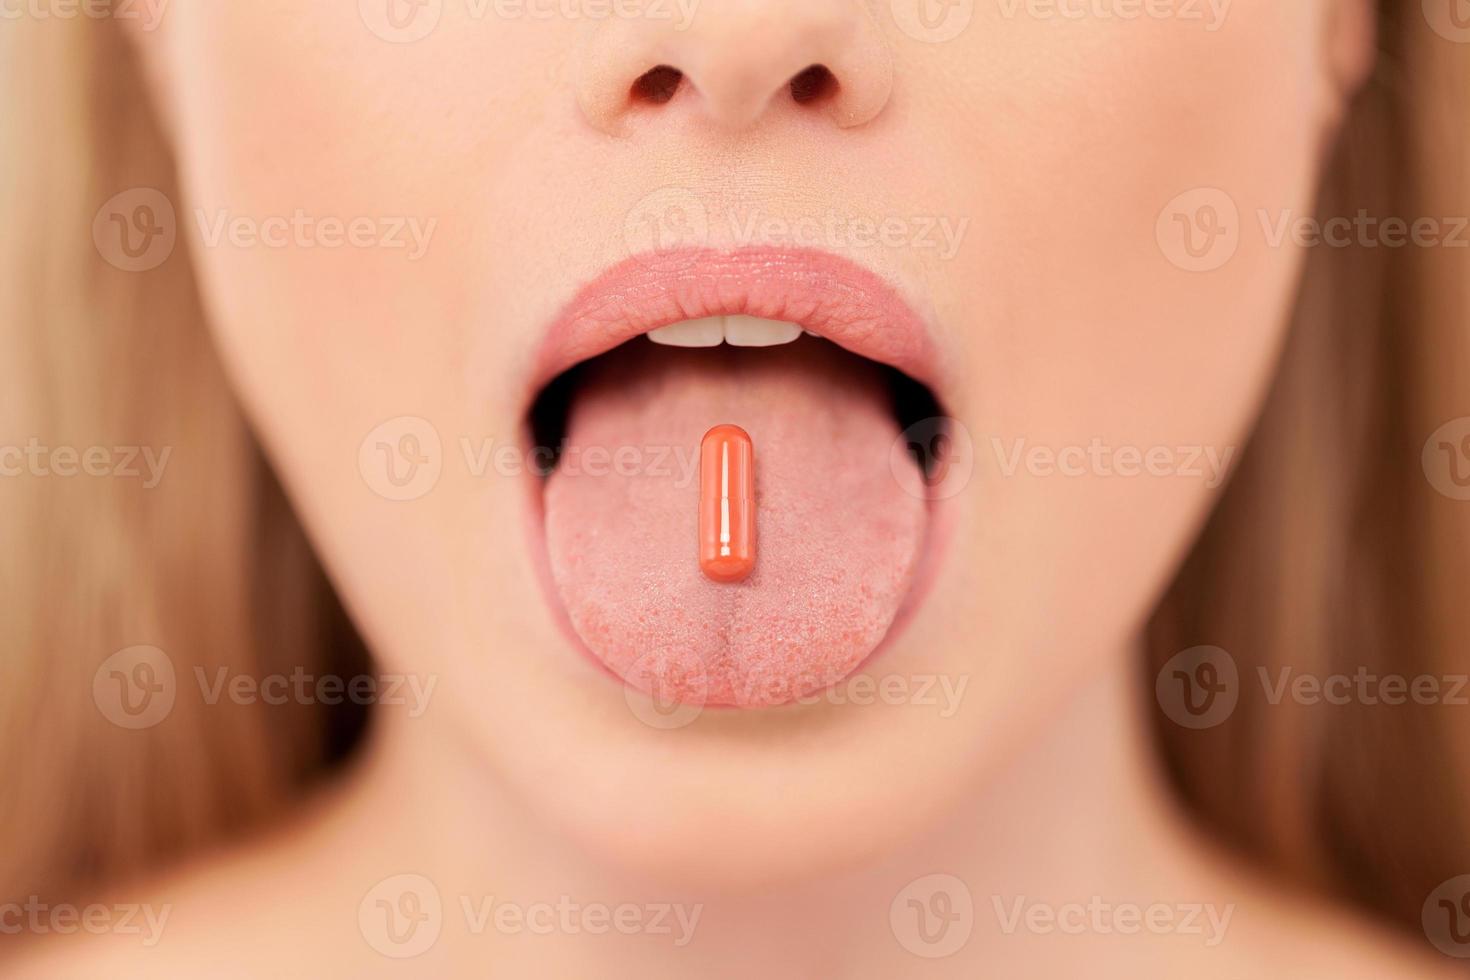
(827, 294)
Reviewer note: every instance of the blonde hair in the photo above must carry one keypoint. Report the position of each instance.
(210, 561)
(1330, 549)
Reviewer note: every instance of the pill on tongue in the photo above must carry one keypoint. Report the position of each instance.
(838, 537)
(726, 504)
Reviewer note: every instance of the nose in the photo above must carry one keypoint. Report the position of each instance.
(738, 61)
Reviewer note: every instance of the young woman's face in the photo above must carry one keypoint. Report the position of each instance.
(409, 215)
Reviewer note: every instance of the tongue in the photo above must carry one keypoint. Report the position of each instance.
(837, 537)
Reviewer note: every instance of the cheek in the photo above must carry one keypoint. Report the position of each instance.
(1119, 300)
(299, 119)
(345, 207)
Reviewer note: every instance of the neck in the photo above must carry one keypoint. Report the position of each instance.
(1075, 827)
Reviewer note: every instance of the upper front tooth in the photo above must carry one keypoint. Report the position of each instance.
(738, 331)
(751, 331)
(709, 332)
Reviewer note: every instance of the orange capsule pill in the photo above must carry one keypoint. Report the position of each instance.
(726, 504)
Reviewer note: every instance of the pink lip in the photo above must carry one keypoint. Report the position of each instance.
(825, 293)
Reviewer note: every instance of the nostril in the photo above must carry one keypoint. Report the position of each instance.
(657, 85)
(813, 84)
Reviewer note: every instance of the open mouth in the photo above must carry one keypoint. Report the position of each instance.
(825, 369)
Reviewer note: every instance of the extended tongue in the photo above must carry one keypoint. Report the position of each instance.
(838, 537)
